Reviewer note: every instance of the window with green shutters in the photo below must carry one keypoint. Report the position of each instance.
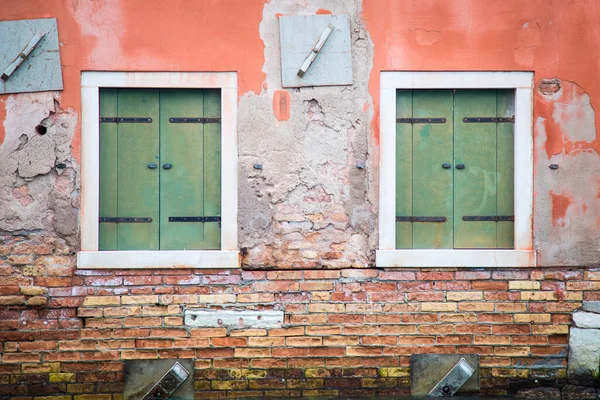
(454, 169)
(160, 169)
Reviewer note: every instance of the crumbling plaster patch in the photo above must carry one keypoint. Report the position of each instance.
(304, 203)
(567, 204)
(34, 194)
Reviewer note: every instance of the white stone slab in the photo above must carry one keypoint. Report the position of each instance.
(333, 64)
(587, 320)
(234, 319)
(41, 70)
(584, 355)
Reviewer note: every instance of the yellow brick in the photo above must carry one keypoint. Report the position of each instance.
(394, 372)
(511, 307)
(93, 397)
(514, 351)
(229, 385)
(320, 394)
(537, 318)
(101, 301)
(466, 306)
(550, 329)
(538, 296)
(524, 285)
(217, 298)
(433, 307)
(248, 332)
(316, 372)
(574, 296)
(62, 377)
(147, 299)
(52, 398)
(463, 296)
(247, 373)
(504, 373)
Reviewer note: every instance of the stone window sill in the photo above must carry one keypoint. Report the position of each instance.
(158, 259)
(455, 258)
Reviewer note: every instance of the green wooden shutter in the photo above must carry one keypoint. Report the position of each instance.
(192, 187)
(475, 185)
(432, 184)
(128, 188)
(484, 187)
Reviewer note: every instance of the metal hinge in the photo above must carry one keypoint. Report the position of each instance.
(494, 218)
(195, 120)
(194, 219)
(489, 119)
(126, 219)
(421, 219)
(119, 120)
(421, 120)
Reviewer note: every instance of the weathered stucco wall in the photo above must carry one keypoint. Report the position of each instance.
(310, 205)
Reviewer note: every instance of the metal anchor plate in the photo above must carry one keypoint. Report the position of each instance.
(428, 370)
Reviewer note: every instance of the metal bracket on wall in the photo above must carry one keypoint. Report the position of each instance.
(186, 120)
(128, 219)
(489, 119)
(421, 120)
(168, 384)
(453, 380)
(119, 120)
(494, 218)
(421, 219)
(194, 219)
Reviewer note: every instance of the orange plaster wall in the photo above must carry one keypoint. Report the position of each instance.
(150, 35)
(551, 38)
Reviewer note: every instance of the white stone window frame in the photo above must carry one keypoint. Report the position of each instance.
(523, 254)
(90, 257)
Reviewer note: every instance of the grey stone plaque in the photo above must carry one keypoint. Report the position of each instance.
(333, 63)
(426, 370)
(40, 70)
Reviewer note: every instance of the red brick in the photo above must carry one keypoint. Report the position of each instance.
(229, 342)
(435, 276)
(489, 285)
(397, 276)
(512, 329)
(142, 280)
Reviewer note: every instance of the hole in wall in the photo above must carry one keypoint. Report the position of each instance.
(41, 129)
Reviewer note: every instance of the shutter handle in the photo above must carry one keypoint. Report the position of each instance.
(446, 165)
(460, 166)
(167, 166)
(152, 166)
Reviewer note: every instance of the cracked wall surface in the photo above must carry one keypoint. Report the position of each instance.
(311, 204)
(38, 175)
(309, 157)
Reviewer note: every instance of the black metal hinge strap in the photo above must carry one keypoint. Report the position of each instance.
(421, 120)
(125, 219)
(489, 119)
(119, 120)
(421, 219)
(195, 120)
(194, 219)
(495, 218)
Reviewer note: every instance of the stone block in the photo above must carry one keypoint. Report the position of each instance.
(233, 318)
(592, 306)
(584, 356)
(586, 320)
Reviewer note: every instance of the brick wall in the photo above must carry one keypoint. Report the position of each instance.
(350, 331)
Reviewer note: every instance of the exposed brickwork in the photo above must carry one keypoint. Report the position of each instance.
(347, 332)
